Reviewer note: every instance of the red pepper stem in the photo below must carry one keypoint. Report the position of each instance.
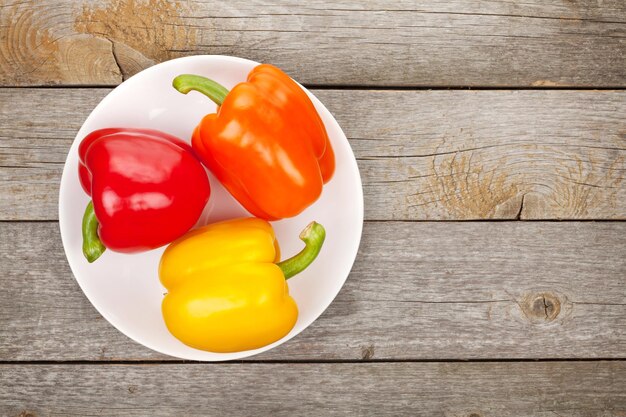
(92, 245)
(186, 82)
(313, 237)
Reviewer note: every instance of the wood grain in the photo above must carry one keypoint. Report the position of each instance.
(421, 290)
(548, 389)
(433, 291)
(541, 43)
(423, 155)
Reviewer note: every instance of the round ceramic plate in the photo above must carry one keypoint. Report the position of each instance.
(125, 289)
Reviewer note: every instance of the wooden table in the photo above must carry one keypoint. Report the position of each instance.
(476, 125)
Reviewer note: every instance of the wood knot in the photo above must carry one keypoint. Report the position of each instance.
(367, 352)
(132, 389)
(474, 415)
(541, 307)
(26, 414)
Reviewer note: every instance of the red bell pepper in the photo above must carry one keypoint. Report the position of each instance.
(147, 189)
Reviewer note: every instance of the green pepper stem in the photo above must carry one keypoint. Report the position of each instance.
(313, 237)
(186, 82)
(92, 245)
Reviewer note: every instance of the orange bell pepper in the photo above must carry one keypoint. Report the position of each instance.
(266, 144)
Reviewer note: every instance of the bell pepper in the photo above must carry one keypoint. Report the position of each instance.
(226, 293)
(266, 144)
(147, 189)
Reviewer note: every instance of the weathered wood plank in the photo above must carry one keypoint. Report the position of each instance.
(418, 290)
(438, 155)
(547, 389)
(435, 43)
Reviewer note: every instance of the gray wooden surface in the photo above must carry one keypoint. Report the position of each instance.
(423, 155)
(376, 42)
(419, 290)
(528, 389)
(511, 314)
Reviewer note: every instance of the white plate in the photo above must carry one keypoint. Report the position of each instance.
(125, 289)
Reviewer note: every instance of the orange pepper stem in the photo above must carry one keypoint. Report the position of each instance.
(186, 82)
(92, 245)
(313, 237)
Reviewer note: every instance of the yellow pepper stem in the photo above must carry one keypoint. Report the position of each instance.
(313, 237)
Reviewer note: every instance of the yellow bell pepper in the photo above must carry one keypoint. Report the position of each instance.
(226, 293)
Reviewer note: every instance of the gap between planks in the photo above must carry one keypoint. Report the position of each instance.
(303, 361)
(360, 87)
